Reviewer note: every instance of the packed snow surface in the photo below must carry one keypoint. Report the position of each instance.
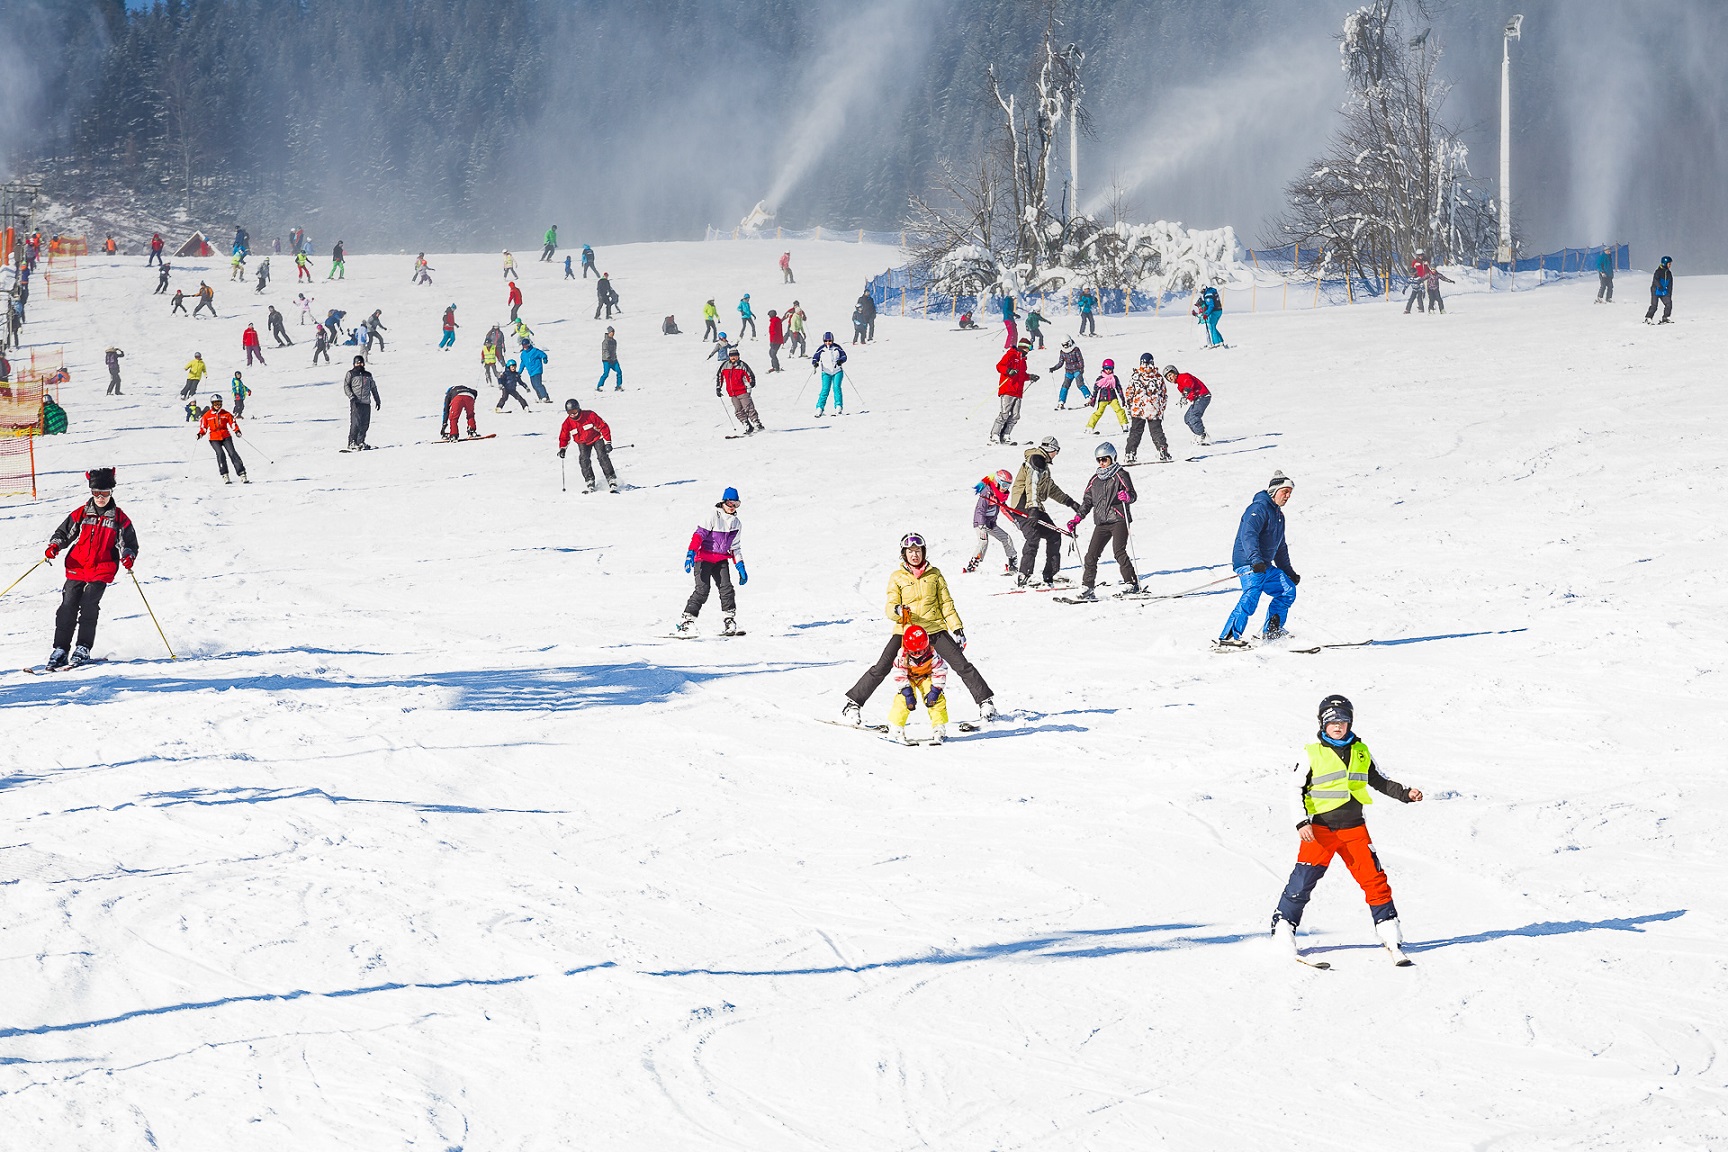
(432, 837)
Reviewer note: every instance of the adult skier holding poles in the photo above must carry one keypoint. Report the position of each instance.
(737, 381)
(1330, 788)
(1262, 563)
(221, 428)
(1012, 378)
(593, 438)
(99, 539)
(1109, 493)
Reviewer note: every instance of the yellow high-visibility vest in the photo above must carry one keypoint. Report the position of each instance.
(1332, 783)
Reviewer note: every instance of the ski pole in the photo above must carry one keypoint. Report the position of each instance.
(725, 408)
(805, 385)
(152, 612)
(27, 572)
(1200, 588)
(563, 475)
(853, 380)
(267, 460)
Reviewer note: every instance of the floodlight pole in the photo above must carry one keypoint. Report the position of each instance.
(1513, 27)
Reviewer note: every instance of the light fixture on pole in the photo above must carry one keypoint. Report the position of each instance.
(1513, 26)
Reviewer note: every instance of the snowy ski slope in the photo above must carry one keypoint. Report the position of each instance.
(433, 839)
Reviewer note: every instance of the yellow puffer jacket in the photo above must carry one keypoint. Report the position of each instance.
(927, 595)
(195, 370)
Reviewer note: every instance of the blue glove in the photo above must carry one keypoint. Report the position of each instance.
(690, 560)
(743, 576)
(910, 697)
(935, 695)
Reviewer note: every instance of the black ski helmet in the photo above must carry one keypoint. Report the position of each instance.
(1336, 707)
(1146, 358)
(572, 405)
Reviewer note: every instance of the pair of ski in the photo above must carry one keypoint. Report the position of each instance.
(44, 670)
(1399, 959)
(1244, 646)
(882, 730)
(453, 439)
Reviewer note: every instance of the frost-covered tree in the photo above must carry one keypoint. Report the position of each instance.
(1395, 177)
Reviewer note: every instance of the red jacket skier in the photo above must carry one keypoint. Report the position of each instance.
(514, 299)
(249, 341)
(593, 438)
(1011, 370)
(99, 540)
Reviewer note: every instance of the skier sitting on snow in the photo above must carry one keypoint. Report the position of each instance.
(458, 403)
(593, 438)
(668, 326)
(1261, 560)
(967, 324)
(919, 674)
(100, 540)
(992, 498)
(714, 542)
(1331, 786)
(918, 596)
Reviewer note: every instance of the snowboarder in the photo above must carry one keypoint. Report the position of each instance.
(1147, 398)
(1012, 379)
(609, 361)
(1662, 291)
(249, 341)
(1009, 316)
(1331, 786)
(1088, 305)
(509, 265)
(867, 305)
(776, 338)
(918, 597)
(277, 330)
(448, 340)
(99, 539)
(710, 321)
(593, 438)
(338, 263)
(320, 344)
(162, 271)
(459, 408)
(1035, 327)
(1073, 365)
(222, 428)
(1605, 275)
(533, 366)
(1034, 485)
(737, 381)
(195, 370)
(919, 674)
(1433, 281)
(746, 317)
(1109, 494)
(992, 498)
(786, 276)
(362, 393)
(112, 358)
(551, 248)
(715, 542)
(240, 391)
(1196, 396)
(830, 360)
(509, 383)
(588, 262)
(604, 295)
(514, 299)
(1107, 396)
(1261, 560)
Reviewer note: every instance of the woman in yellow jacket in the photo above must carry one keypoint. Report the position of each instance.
(918, 596)
(194, 375)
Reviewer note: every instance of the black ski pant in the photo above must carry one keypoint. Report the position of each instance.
(599, 449)
(1139, 425)
(114, 382)
(547, 252)
(797, 342)
(321, 350)
(1416, 298)
(706, 570)
(774, 357)
(587, 267)
(239, 405)
(205, 303)
(224, 449)
(1037, 526)
(1088, 322)
(80, 607)
(946, 647)
(1435, 303)
(1116, 534)
(870, 326)
(1666, 303)
(359, 420)
(1605, 287)
(507, 392)
(607, 305)
(281, 335)
(190, 387)
(161, 287)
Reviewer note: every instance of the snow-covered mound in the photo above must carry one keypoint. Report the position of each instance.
(433, 838)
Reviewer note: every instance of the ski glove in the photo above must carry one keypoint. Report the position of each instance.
(560, 453)
(690, 560)
(1294, 579)
(606, 444)
(1122, 495)
(1259, 566)
(935, 695)
(126, 562)
(1074, 523)
(743, 576)
(910, 697)
(51, 551)
(960, 638)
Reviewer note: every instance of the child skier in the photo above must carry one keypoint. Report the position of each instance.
(459, 406)
(992, 498)
(509, 383)
(918, 596)
(1035, 327)
(1107, 396)
(593, 438)
(100, 540)
(1433, 280)
(919, 674)
(1331, 788)
(1195, 396)
(712, 545)
(1073, 366)
(1147, 398)
(221, 428)
(240, 391)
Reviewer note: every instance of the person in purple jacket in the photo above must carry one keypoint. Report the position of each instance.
(712, 545)
(992, 495)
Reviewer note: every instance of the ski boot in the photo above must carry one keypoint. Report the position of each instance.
(446, 437)
(971, 565)
(226, 479)
(80, 655)
(1229, 644)
(1165, 458)
(1087, 595)
(1009, 570)
(1392, 936)
(848, 714)
(938, 733)
(729, 626)
(612, 487)
(245, 479)
(759, 427)
(588, 487)
(56, 659)
(1129, 459)
(686, 626)
(900, 735)
(1020, 581)
(987, 710)
(473, 434)
(1274, 629)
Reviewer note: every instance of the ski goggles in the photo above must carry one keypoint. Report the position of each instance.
(911, 540)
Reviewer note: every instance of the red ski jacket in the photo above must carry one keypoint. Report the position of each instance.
(217, 423)
(585, 427)
(97, 539)
(736, 380)
(776, 330)
(1189, 385)
(249, 338)
(515, 296)
(1012, 369)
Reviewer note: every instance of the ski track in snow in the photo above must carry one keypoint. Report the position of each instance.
(432, 838)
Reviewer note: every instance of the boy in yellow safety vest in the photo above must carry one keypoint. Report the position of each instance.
(1332, 783)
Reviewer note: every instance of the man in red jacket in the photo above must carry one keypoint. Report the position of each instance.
(249, 341)
(776, 338)
(155, 249)
(1013, 378)
(593, 438)
(514, 299)
(737, 380)
(99, 539)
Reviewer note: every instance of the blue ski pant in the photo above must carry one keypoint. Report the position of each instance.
(832, 380)
(1212, 329)
(607, 367)
(1271, 582)
(1194, 417)
(540, 389)
(1069, 379)
(448, 340)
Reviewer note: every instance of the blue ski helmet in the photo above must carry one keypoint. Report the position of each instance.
(509, 363)
(730, 496)
(1667, 259)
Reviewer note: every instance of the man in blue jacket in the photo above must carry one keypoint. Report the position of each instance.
(1662, 291)
(1605, 275)
(533, 359)
(1262, 562)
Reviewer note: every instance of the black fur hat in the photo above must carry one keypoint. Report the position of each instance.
(101, 479)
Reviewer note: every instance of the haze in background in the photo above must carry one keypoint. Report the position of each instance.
(481, 125)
